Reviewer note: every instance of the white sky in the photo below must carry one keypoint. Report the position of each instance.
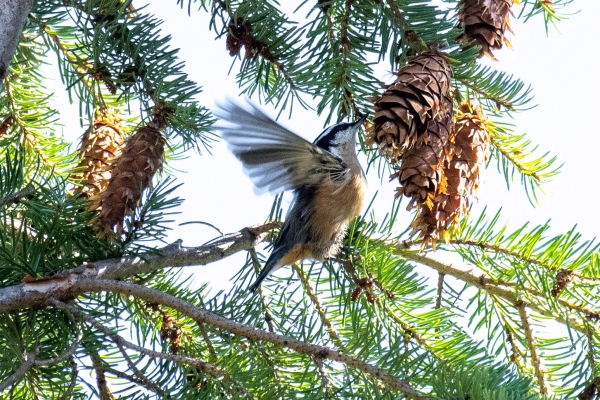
(561, 67)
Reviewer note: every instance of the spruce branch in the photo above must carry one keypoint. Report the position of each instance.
(323, 375)
(28, 363)
(533, 349)
(527, 258)
(204, 316)
(326, 322)
(263, 302)
(82, 68)
(211, 349)
(146, 383)
(73, 381)
(204, 366)
(440, 289)
(505, 290)
(137, 374)
(16, 198)
(101, 382)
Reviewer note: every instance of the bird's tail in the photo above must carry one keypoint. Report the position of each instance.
(271, 265)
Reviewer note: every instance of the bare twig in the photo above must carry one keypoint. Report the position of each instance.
(535, 355)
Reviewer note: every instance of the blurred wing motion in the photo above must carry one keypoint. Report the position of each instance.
(273, 157)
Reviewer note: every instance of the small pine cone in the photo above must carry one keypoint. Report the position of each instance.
(100, 147)
(562, 279)
(485, 22)
(471, 142)
(240, 34)
(421, 173)
(419, 95)
(141, 157)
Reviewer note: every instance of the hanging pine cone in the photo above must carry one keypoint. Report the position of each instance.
(141, 157)
(471, 143)
(421, 173)
(419, 95)
(100, 147)
(485, 22)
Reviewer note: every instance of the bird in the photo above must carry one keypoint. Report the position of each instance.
(327, 180)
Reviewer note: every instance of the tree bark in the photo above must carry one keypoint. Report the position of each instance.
(13, 14)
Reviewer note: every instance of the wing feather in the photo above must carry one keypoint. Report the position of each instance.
(273, 157)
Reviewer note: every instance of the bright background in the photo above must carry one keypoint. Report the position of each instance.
(562, 68)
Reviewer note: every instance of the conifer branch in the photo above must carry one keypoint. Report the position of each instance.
(15, 113)
(440, 289)
(204, 316)
(137, 374)
(82, 69)
(333, 334)
(263, 302)
(515, 356)
(28, 363)
(74, 373)
(211, 349)
(519, 256)
(146, 383)
(323, 375)
(408, 331)
(535, 355)
(206, 367)
(253, 47)
(16, 198)
(501, 289)
(101, 382)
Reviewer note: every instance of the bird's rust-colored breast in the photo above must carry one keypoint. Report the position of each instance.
(335, 205)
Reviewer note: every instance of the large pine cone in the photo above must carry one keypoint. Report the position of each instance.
(419, 95)
(142, 156)
(471, 144)
(485, 21)
(421, 173)
(100, 147)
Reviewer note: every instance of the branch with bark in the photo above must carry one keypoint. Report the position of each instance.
(13, 14)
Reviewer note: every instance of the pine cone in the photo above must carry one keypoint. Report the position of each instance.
(471, 142)
(485, 22)
(421, 173)
(419, 95)
(100, 147)
(141, 158)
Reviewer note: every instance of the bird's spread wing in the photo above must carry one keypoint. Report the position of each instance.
(273, 157)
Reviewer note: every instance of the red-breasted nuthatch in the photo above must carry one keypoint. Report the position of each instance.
(328, 182)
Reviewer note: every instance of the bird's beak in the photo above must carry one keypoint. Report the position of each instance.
(362, 119)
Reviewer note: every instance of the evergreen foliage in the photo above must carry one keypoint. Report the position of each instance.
(514, 315)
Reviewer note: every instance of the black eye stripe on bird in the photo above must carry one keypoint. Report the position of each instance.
(328, 182)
